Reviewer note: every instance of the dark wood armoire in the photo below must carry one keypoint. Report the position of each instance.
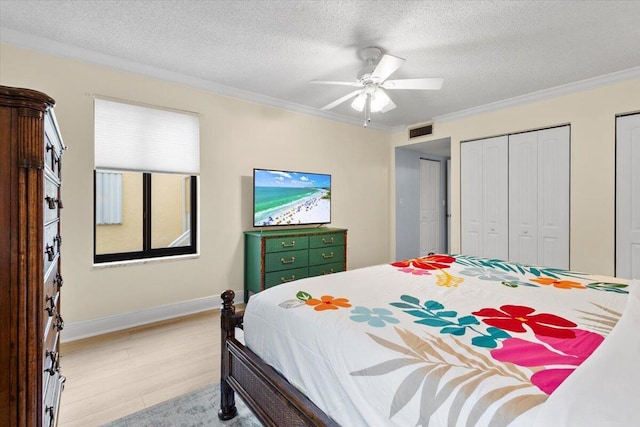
(30, 274)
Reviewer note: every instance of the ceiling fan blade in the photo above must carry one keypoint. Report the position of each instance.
(433, 83)
(333, 82)
(388, 65)
(341, 100)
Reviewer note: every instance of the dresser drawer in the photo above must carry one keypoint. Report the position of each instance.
(324, 269)
(51, 247)
(326, 255)
(52, 149)
(51, 337)
(284, 276)
(53, 281)
(50, 304)
(323, 240)
(286, 243)
(286, 260)
(50, 201)
(51, 399)
(51, 365)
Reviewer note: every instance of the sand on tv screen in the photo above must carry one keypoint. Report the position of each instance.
(290, 198)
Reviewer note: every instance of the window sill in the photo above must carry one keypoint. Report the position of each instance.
(145, 261)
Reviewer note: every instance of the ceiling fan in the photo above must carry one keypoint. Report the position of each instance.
(371, 97)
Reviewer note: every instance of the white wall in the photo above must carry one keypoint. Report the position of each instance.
(236, 136)
(591, 114)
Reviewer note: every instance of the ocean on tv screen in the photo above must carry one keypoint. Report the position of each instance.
(291, 206)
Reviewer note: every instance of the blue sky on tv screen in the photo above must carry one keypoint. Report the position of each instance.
(273, 178)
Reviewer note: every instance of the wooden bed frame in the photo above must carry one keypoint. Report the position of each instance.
(273, 400)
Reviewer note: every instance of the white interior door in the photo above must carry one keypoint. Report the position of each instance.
(628, 196)
(430, 207)
(495, 193)
(448, 248)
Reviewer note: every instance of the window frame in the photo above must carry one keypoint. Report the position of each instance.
(147, 251)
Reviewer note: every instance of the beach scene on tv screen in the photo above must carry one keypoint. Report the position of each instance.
(291, 198)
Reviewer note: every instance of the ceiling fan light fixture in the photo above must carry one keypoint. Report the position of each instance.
(359, 101)
(379, 100)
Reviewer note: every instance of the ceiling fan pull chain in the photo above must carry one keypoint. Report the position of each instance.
(367, 109)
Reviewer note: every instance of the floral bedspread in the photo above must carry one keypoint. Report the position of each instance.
(443, 340)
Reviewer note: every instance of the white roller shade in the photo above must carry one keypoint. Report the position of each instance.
(136, 138)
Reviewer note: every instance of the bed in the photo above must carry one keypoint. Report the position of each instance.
(442, 340)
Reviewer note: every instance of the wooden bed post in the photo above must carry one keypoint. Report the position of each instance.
(228, 322)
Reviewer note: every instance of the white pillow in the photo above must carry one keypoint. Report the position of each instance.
(605, 390)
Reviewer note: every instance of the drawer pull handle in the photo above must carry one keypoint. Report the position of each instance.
(325, 256)
(290, 245)
(284, 261)
(290, 279)
(327, 240)
(327, 272)
(50, 252)
(52, 307)
(59, 323)
(51, 202)
(58, 241)
(50, 412)
(59, 202)
(55, 362)
(58, 280)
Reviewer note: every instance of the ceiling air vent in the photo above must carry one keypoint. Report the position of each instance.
(421, 131)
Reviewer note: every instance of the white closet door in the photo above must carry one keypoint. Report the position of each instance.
(471, 197)
(523, 197)
(495, 175)
(553, 197)
(628, 196)
(430, 207)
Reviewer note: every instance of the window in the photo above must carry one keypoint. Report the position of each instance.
(145, 182)
(108, 198)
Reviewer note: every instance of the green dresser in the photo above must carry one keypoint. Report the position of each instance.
(278, 256)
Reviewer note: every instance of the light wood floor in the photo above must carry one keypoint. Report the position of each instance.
(113, 375)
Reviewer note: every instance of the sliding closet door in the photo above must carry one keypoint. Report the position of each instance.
(495, 209)
(483, 176)
(471, 197)
(628, 196)
(539, 197)
(523, 197)
(553, 197)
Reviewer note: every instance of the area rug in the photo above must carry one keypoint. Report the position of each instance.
(199, 408)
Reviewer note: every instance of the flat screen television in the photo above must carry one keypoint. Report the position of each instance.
(283, 198)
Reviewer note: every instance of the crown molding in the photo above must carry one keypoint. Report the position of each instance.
(52, 47)
(567, 89)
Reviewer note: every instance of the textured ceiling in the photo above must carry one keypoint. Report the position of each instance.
(487, 51)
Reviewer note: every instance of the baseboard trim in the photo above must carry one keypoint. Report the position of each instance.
(89, 328)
